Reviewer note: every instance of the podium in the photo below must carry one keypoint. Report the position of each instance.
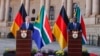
(74, 43)
(23, 43)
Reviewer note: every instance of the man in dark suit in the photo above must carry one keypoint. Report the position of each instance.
(74, 25)
(27, 25)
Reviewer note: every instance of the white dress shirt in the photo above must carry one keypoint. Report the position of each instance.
(27, 25)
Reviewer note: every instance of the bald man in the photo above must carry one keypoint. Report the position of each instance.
(74, 25)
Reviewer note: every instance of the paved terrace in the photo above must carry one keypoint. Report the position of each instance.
(11, 44)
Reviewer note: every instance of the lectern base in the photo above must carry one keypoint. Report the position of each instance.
(74, 45)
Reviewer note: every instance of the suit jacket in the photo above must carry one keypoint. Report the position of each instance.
(71, 26)
(30, 27)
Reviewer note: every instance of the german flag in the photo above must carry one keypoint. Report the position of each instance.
(19, 19)
(60, 28)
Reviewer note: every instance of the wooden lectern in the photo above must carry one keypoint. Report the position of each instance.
(74, 43)
(23, 43)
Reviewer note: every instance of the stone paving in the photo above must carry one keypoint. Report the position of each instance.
(11, 44)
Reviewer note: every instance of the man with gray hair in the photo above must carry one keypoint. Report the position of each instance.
(27, 25)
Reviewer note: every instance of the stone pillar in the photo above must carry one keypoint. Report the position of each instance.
(23, 1)
(42, 3)
(95, 8)
(7, 10)
(69, 8)
(64, 2)
(88, 11)
(27, 6)
(47, 6)
(2, 10)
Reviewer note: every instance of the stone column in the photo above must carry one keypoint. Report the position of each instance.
(2, 10)
(27, 6)
(95, 8)
(69, 8)
(88, 7)
(7, 9)
(23, 1)
(64, 2)
(42, 3)
(47, 6)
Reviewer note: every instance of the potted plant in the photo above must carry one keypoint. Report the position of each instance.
(59, 53)
(33, 52)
